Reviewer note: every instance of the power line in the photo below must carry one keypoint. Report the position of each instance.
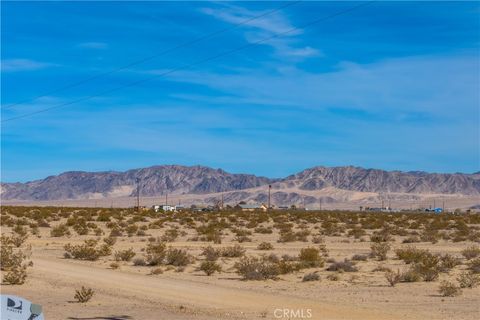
(162, 53)
(202, 61)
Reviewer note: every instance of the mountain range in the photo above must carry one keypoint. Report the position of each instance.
(307, 186)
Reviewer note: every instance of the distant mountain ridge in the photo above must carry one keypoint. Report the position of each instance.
(176, 179)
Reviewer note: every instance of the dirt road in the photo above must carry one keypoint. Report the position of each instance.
(139, 296)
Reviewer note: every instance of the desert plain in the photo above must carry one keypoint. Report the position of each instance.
(292, 264)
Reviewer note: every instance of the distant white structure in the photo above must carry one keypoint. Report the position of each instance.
(163, 207)
(253, 207)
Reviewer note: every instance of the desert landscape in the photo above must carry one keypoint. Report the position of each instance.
(230, 264)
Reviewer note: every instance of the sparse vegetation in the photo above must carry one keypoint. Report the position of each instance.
(210, 267)
(449, 289)
(84, 294)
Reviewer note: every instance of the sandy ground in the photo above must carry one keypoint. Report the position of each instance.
(131, 293)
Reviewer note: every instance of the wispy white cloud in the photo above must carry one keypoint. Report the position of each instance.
(93, 45)
(12, 65)
(286, 45)
(440, 86)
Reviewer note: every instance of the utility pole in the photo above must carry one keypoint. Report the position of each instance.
(269, 196)
(222, 201)
(320, 203)
(138, 194)
(166, 198)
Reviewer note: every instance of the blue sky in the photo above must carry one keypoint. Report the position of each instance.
(390, 85)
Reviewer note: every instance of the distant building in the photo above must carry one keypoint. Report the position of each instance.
(163, 207)
(253, 207)
(436, 210)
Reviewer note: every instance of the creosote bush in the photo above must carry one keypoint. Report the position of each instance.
(310, 258)
(124, 255)
(343, 266)
(449, 289)
(313, 276)
(468, 280)
(16, 275)
(155, 253)
(211, 254)
(210, 267)
(380, 250)
(177, 257)
(393, 277)
(84, 294)
(265, 246)
(471, 252)
(253, 268)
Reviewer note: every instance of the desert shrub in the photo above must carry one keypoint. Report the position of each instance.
(333, 277)
(318, 239)
(430, 236)
(313, 276)
(448, 262)
(263, 230)
(210, 267)
(242, 238)
(343, 266)
(16, 275)
(359, 257)
(115, 232)
(60, 230)
(104, 250)
(114, 265)
(468, 280)
(233, 251)
(411, 239)
(131, 230)
(10, 258)
(474, 265)
(393, 277)
(124, 255)
(411, 276)
(155, 253)
(253, 268)
(177, 257)
(286, 266)
(357, 233)
(428, 267)
(379, 250)
(310, 258)
(110, 241)
(156, 271)
(265, 246)
(410, 254)
(139, 262)
(381, 236)
(471, 252)
(170, 235)
(211, 254)
(85, 251)
(449, 289)
(84, 294)
(18, 239)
